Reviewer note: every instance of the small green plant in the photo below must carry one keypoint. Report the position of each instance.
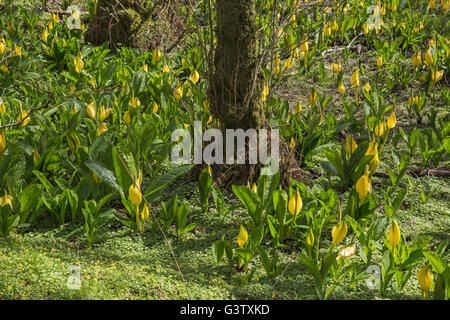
(94, 216)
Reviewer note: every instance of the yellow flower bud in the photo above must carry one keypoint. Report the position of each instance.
(195, 77)
(90, 110)
(373, 150)
(145, 213)
(379, 129)
(254, 188)
(425, 278)
(363, 186)
(367, 87)
(134, 192)
(36, 156)
(134, 102)
(394, 234)
(242, 237)
(380, 61)
(295, 204)
(392, 121)
(339, 232)
(417, 59)
(157, 55)
(355, 79)
(78, 63)
(350, 144)
(2, 142)
(310, 238)
(341, 88)
(127, 117)
(25, 117)
(298, 107)
(178, 93)
(429, 57)
(102, 128)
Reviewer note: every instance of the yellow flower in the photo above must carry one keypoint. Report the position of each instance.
(2, 107)
(134, 102)
(79, 65)
(431, 4)
(334, 25)
(6, 199)
(380, 62)
(242, 237)
(394, 234)
(157, 55)
(379, 129)
(127, 117)
(24, 115)
(292, 143)
(2, 142)
(392, 121)
(54, 18)
(45, 35)
(289, 62)
(341, 88)
(304, 46)
(339, 232)
(104, 113)
(336, 67)
(145, 67)
(298, 107)
(254, 188)
(184, 62)
(2, 46)
(367, 87)
(363, 186)
(373, 150)
(102, 128)
(436, 75)
(417, 59)
(74, 110)
(145, 213)
(90, 110)
(295, 204)
(327, 29)
(18, 51)
(4, 68)
(425, 278)
(355, 79)
(178, 93)
(310, 238)
(134, 192)
(155, 107)
(429, 57)
(166, 69)
(36, 156)
(346, 252)
(195, 77)
(350, 145)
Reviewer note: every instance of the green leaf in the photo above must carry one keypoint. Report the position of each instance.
(166, 179)
(105, 175)
(439, 265)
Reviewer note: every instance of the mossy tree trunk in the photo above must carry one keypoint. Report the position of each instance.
(237, 81)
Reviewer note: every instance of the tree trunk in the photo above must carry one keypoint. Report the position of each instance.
(236, 88)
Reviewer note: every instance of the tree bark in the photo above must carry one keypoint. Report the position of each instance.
(237, 81)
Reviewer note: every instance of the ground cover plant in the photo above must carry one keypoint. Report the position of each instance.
(92, 205)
